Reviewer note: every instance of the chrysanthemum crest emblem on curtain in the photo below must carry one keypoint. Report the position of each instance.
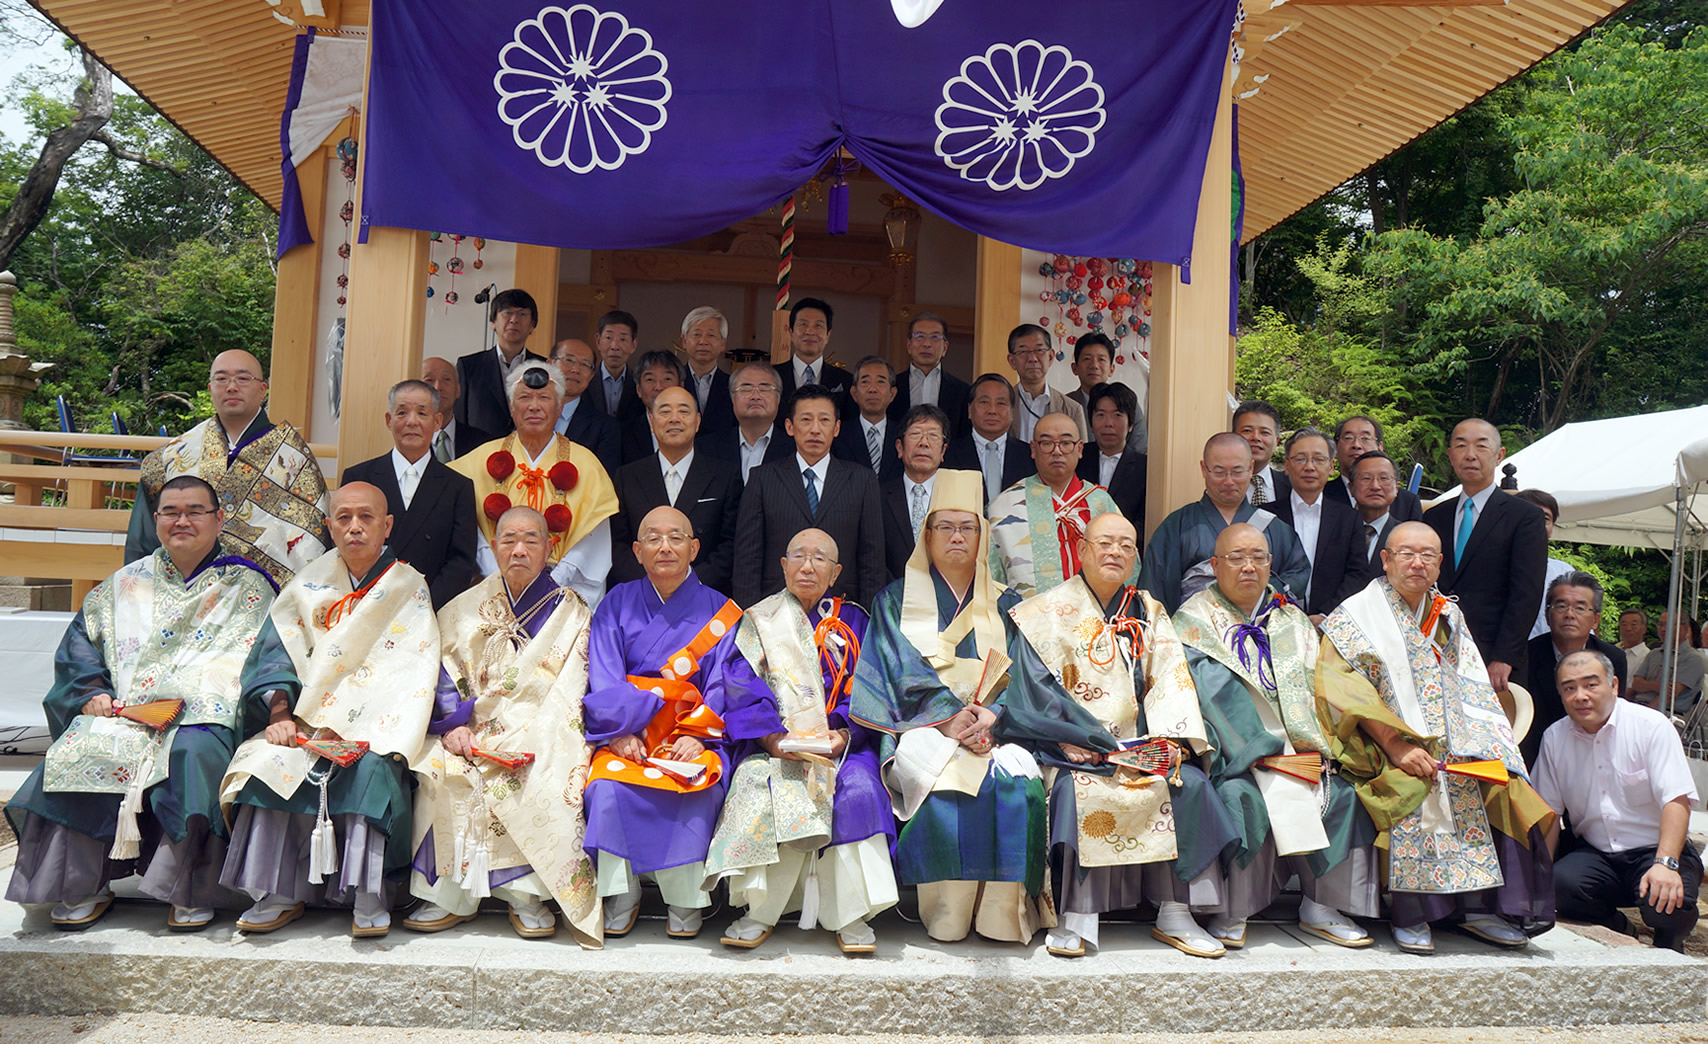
(1019, 115)
(581, 88)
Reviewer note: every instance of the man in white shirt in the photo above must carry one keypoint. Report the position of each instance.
(1259, 424)
(1030, 355)
(580, 419)
(810, 321)
(1556, 568)
(454, 438)
(870, 440)
(514, 315)
(1618, 772)
(925, 381)
(1633, 636)
(705, 335)
(1331, 533)
(1093, 362)
(907, 497)
(754, 391)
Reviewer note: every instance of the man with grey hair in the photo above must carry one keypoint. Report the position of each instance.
(1632, 848)
(926, 381)
(756, 438)
(562, 480)
(868, 438)
(1573, 604)
(1330, 534)
(432, 507)
(705, 334)
(654, 371)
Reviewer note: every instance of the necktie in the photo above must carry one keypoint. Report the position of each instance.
(807, 378)
(442, 448)
(1259, 495)
(916, 511)
(992, 472)
(1369, 541)
(406, 485)
(672, 485)
(1465, 527)
(874, 447)
(812, 491)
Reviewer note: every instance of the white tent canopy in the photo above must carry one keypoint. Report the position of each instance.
(1618, 480)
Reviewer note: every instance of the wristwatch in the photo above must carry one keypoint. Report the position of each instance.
(1667, 861)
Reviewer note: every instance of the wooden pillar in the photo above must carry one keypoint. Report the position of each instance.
(1192, 358)
(296, 307)
(536, 272)
(996, 304)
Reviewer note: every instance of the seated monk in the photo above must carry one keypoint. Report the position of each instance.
(657, 780)
(115, 795)
(807, 825)
(350, 652)
(511, 682)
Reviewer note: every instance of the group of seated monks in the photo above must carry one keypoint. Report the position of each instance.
(1023, 764)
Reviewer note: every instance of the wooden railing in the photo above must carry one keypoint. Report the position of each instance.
(67, 521)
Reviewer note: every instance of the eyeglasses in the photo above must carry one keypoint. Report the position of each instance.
(923, 438)
(746, 388)
(817, 561)
(1030, 353)
(1316, 460)
(1428, 558)
(1575, 608)
(574, 364)
(925, 338)
(512, 314)
(1230, 473)
(1126, 547)
(675, 538)
(1239, 558)
(232, 380)
(192, 515)
(949, 529)
(1049, 445)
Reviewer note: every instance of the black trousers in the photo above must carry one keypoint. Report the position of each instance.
(1591, 885)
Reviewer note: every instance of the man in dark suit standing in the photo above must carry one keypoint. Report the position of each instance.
(432, 507)
(810, 490)
(1331, 534)
(705, 335)
(618, 336)
(758, 437)
(925, 380)
(1375, 481)
(581, 420)
(704, 488)
(1093, 362)
(454, 438)
(907, 497)
(869, 438)
(1495, 550)
(1111, 463)
(809, 342)
(988, 448)
(653, 371)
(1259, 424)
(514, 316)
(1354, 437)
(1573, 606)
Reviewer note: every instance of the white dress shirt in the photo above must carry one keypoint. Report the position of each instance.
(408, 475)
(506, 367)
(754, 454)
(1614, 782)
(820, 471)
(922, 386)
(1106, 467)
(801, 370)
(680, 468)
(1307, 522)
(1266, 479)
(1634, 656)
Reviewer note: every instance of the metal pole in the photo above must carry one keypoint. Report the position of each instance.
(1675, 585)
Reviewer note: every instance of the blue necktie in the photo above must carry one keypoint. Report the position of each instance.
(812, 491)
(1464, 531)
(807, 374)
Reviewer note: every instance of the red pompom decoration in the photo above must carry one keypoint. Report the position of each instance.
(496, 505)
(500, 465)
(558, 517)
(563, 476)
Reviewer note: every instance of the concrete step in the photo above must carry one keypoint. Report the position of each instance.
(481, 976)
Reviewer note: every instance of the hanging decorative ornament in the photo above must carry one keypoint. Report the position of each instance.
(479, 245)
(1073, 282)
(451, 297)
(347, 152)
(454, 266)
(1103, 294)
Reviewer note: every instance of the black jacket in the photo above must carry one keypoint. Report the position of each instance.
(710, 496)
(439, 532)
(774, 509)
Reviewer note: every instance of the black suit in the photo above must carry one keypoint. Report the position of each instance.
(898, 527)
(1407, 507)
(1370, 560)
(1545, 694)
(483, 403)
(635, 438)
(717, 412)
(438, 534)
(774, 509)
(850, 445)
(1339, 560)
(953, 394)
(1280, 487)
(1126, 485)
(726, 445)
(1017, 463)
(466, 438)
(1499, 583)
(710, 496)
(598, 433)
(839, 381)
(628, 405)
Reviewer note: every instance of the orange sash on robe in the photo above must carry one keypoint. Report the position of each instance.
(684, 714)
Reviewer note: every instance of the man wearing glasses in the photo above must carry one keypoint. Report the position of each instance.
(1038, 524)
(926, 382)
(1573, 606)
(757, 437)
(581, 420)
(270, 486)
(1331, 534)
(1354, 437)
(1030, 356)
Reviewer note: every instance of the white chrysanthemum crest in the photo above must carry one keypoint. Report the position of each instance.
(1019, 115)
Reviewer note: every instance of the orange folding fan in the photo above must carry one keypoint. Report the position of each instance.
(1493, 771)
(340, 752)
(505, 759)
(1308, 767)
(1153, 757)
(156, 715)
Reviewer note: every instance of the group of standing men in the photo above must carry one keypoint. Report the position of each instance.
(1026, 726)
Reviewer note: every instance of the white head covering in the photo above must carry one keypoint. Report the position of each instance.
(952, 491)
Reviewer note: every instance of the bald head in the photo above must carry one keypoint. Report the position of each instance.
(521, 542)
(810, 541)
(359, 523)
(1107, 553)
(1225, 440)
(1408, 534)
(1412, 560)
(357, 492)
(1475, 451)
(1226, 468)
(665, 547)
(1056, 448)
(1111, 524)
(810, 566)
(524, 519)
(1240, 534)
(1242, 564)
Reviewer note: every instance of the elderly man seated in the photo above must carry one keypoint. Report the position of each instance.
(1253, 656)
(658, 775)
(1616, 770)
(807, 823)
(510, 686)
(1099, 675)
(344, 671)
(930, 682)
(1424, 742)
(173, 626)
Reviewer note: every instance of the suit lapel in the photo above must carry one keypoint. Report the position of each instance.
(652, 489)
(427, 492)
(1485, 520)
(693, 484)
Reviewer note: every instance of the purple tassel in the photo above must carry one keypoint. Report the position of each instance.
(837, 220)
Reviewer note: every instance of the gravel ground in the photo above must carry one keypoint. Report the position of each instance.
(190, 1030)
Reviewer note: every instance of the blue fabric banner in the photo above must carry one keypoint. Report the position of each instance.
(629, 123)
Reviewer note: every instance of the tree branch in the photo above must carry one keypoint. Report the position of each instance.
(118, 149)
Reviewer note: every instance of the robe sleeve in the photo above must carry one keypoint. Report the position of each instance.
(749, 706)
(895, 689)
(1039, 714)
(1235, 732)
(1345, 699)
(1160, 573)
(613, 706)
(268, 669)
(451, 708)
(584, 567)
(79, 673)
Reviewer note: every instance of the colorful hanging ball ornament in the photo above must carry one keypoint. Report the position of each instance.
(1123, 299)
(1073, 282)
(1120, 360)
(344, 251)
(1061, 329)
(479, 243)
(1062, 264)
(1046, 270)
(435, 236)
(1144, 329)
(456, 237)
(563, 475)
(347, 211)
(1079, 299)
(341, 300)
(559, 518)
(1121, 331)
(1062, 297)
(450, 297)
(1094, 283)
(1046, 296)
(432, 268)
(429, 291)
(1080, 269)
(1095, 319)
(495, 505)
(343, 280)
(454, 266)
(478, 263)
(347, 149)
(1043, 320)
(1073, 316)
(1098, 302)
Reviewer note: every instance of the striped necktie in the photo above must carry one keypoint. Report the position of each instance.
(812, 491)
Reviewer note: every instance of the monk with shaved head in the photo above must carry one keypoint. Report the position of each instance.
(1409, 697)
(1177, 562)
(661, 761)
(336, 697)
(268, 483)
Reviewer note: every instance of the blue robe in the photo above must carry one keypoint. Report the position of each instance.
(1188, 536)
